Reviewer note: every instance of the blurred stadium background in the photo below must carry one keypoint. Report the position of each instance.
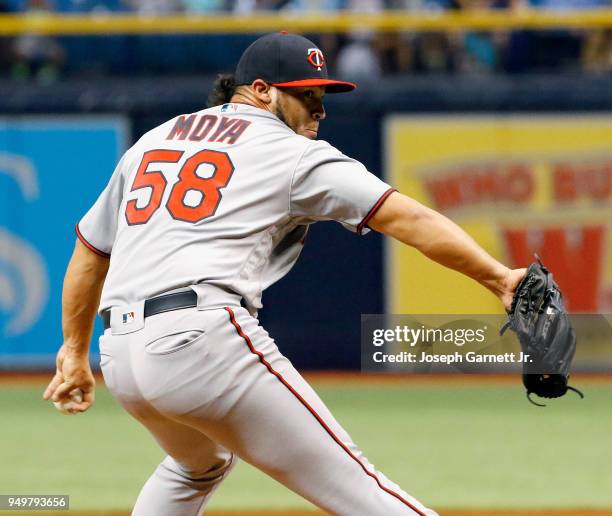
(497, 113)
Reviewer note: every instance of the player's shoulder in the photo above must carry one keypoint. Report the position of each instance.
(321, 151)
(320, 146)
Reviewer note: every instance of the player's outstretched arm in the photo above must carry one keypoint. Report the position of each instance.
(443, 241)
(83, 283)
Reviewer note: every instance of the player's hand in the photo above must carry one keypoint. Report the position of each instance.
(509, 284)
(72, 372)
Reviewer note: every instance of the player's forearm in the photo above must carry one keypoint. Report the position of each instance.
(445, 242)
(83, 283)
(440, 239)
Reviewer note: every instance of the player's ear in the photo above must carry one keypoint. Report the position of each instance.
(262, 90)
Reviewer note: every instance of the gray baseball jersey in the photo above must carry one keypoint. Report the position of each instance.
(222, 196)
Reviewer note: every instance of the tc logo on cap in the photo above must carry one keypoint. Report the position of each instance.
(315, 58)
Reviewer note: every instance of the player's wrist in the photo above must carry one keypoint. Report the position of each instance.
(76, 349)
(497, 281)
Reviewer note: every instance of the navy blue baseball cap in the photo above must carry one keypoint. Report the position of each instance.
(287, 60)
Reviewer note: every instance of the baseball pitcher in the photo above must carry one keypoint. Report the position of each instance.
(201, 215)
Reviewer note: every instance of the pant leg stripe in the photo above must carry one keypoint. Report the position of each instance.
(314, 413)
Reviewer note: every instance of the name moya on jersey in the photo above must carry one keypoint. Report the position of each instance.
(211, 128)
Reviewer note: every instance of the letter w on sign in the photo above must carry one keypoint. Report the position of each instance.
(575, 255)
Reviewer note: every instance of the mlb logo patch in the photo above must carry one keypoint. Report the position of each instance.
(128, 317)
(225, 108)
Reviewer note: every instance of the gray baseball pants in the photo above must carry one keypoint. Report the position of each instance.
(211, 386)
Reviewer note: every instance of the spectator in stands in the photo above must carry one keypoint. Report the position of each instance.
(249, 6)
(594, 47)
(478, 51)
(597, 52)
(154, 6)
(549, 50)
(37, 56)
(365, 54)
(207, 6)
(357, 60)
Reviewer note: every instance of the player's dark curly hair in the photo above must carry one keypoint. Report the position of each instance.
(223, 90)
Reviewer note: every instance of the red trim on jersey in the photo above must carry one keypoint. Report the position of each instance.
(374, 209)
(313, 412)
(331, 86)
(88, 245)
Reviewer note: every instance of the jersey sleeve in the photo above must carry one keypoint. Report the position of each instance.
(327, 185)
(98, 228)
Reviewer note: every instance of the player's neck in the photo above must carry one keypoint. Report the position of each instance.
(250, 100)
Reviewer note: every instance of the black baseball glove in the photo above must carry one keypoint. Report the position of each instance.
(539, 318)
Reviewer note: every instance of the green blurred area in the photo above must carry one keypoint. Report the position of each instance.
(480, 445)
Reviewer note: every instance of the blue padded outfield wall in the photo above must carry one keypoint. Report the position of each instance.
(51, 170)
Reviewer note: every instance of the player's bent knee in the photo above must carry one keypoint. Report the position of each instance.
(206, 474)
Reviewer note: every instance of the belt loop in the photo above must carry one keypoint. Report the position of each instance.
(213, 296)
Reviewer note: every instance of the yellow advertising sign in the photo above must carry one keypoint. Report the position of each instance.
(518, 185)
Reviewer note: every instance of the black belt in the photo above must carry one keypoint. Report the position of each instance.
(160, 304)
